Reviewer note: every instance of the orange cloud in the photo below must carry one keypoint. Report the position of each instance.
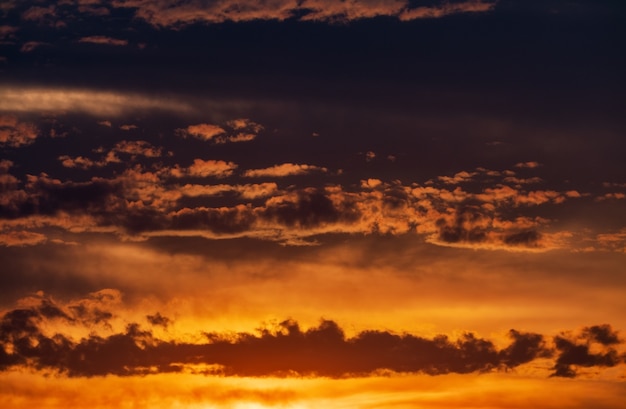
(141, 148)
(241, 130)
(103, 40)
(163, 13)
(285, 169)
(283, 350)
(15, 133)
(446, 9)
(21, 238)
(97, 103)
(528, 165)
(204, 131)
(205, 168)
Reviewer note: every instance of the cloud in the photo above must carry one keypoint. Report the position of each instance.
(285, 169)
(133, 148)
(158, 320)
(236, 130)
(140, 148)
(446, 9)
(30, 337)
(457, 178)
(203, 131)
(206, 168)
(21, 238)
(164, 13)
(104, 40)
(15, 133)
(163, 200)
(7, 31)
(97, 103)
(527, 165)
(43, 15)
(573, 353)
(79, 162)
(29, 46)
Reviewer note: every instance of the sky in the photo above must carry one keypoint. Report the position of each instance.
(253, 204)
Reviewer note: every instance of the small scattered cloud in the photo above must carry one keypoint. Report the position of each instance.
(205, 168)
(283, 170)
(15, 133)
(236, 130)
(31, 46)
(527, 165)
(205, 132)
(43, 15)
(6, 32)
(104, 40)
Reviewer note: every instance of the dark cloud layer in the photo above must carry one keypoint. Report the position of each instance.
(286, 350)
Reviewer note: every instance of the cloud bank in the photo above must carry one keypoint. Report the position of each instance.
(27, 339)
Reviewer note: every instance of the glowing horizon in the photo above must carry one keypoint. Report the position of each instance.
(312, 204)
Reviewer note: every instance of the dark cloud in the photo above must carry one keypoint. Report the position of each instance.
(310, 208)
(594, 351)
(284, 350)
(158, 320)
(467, 226)
(527, 238)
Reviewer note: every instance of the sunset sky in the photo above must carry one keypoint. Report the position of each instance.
(253, 204)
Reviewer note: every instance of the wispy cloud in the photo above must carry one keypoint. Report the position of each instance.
(104, 40)
(285, 169)
(93, 102)
(164, 13)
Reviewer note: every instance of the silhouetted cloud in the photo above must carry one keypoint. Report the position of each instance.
(285, 350)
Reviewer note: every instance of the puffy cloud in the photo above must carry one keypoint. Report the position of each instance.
(79, 162)
(103, 40)
(457, 178)
(203, 131)
(141, 148)
(236, 130)
(140, 203)
(15, 133)
(285, 169)
(573, 353)
(132, 148)
(206, 168)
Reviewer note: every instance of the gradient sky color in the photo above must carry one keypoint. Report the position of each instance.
(312, 204)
